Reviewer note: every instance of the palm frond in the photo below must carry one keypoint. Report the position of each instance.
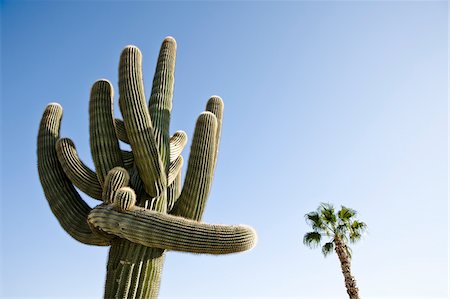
(359, 226)
(314, 220)
(355, 236)
(328, 248)
(345, 214)
(312, 217)
(327, 214)
(357, 229)
(312, 239)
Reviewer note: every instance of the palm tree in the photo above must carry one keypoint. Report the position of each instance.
(341, 228)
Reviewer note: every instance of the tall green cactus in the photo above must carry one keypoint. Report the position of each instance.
(145, 210)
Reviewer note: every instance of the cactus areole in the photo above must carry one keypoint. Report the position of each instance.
(145, 209)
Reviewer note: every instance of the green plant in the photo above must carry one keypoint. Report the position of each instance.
(340, 227)
(145, 210)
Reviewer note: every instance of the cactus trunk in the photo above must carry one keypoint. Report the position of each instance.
(133, 270)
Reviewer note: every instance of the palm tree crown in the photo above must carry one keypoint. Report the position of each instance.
(340, 226)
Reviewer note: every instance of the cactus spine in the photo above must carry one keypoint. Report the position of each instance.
(144, 207)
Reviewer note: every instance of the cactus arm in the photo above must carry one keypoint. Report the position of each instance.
(160, 103)
(128, 159)
(125, 199)
(173, 192)
(78, 173)
(138, 124)
(136, 183)
(195, 192)
(65, 203)
(215, 105)
(199, 174)
(158, 230)
(175, 169)
(117, 178)
(120, 131)
(105, 148)
(177, 141)
(177, 144)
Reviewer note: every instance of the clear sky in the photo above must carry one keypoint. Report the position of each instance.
(340, 102)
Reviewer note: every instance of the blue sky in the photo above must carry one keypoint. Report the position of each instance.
(342, 102)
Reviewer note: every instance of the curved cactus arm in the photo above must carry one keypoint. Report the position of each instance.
(125, 199)
(160, 103)
(138, 124)
(215, 105)
(120, 131)
(173, 192)
(175, 169)
(199, 174)
(177, 143)
(117, 178)
(158, 230)
(78, 173)
(136, 182)
(105, 148)
(128, 159)
(65, 203)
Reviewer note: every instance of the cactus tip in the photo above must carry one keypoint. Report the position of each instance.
(54, 104)
(181, 134)
(65, 140)
(214, 101)
(125, 199)
(170, 39)
(54, 108)
(215, 97)
(131, 49)
(102, 80)
(206, 115)
(253, 233)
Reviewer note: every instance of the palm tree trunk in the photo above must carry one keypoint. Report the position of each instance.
(350, 282)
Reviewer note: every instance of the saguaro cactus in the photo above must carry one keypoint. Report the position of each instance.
(144, 210)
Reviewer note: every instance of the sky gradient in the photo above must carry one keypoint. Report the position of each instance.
(341, 102)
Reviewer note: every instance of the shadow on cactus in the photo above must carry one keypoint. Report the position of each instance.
(145, 209)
